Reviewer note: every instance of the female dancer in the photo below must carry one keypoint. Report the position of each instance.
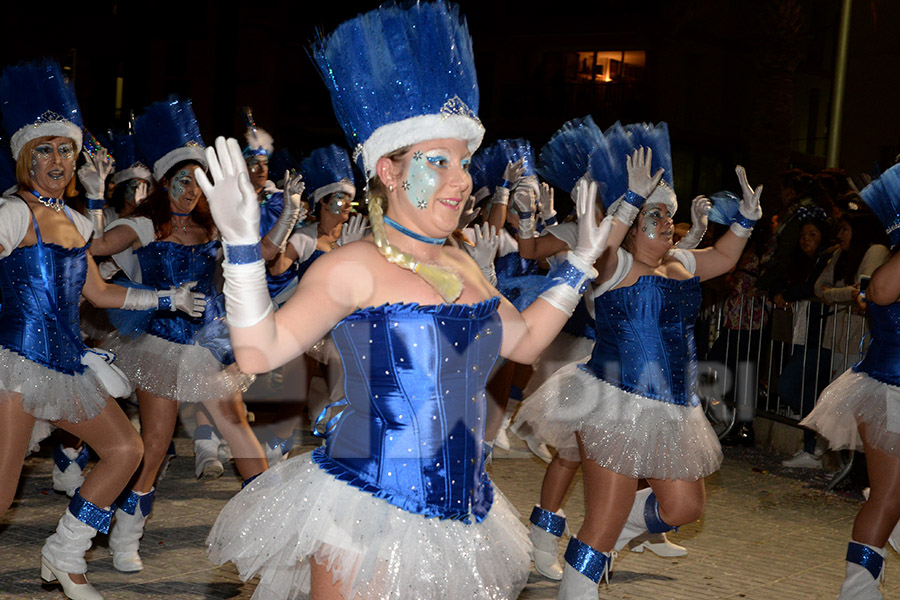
(631, 412)
(174, 359)
(46, 372)
(397, 503)
(860, 409)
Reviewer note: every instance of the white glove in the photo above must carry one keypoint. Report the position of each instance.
(232, 200)
(525, 200)
(749, 209)
(354, 229)
(93, 173)
(107, 269)
(640, 181)
(545, 204)
(511, 175)
(591, 237)
(699, 220)
(290, 212)
(141, 192)
(181, 298)
(468, 214)
(486, 244)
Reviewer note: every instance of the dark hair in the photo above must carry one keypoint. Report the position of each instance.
(156, 207)
(867, 231)
(800, 265)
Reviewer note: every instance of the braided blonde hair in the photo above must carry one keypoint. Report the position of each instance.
(446, 282)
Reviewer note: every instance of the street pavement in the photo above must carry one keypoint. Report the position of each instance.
(764, 536)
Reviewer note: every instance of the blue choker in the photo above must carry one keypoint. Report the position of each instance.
(181, 214)
(413, 234)
(56, 204)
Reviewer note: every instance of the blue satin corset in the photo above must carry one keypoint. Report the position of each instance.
(302, 267)
(412, 430)
(31, 326)
(167, 264)
(882, 359)
(269, 211)
(645, 339)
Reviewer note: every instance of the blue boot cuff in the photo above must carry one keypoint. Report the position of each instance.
(548, 521)
(130, 500)
(586, 560)
(865, 557)
(62, 461)
(90, 514)
(204, 432)
(654, 522)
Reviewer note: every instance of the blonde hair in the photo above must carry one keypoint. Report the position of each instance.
(23, 167)
(444, 281)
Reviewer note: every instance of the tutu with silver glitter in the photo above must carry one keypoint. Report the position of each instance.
(852, 399)
(627, 433)
(180, 372)
(296, 510)
(49, 394)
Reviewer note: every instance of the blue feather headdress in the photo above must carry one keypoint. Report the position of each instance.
(724, 209)
(400, 76)
(259, 141)
(167, 134)
(328, 170)
(38, 101)
(566, 157)
(129, 163)
(607, 164)
(481, 187)
(883, 197)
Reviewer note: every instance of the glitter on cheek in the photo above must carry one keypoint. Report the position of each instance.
(423, 183)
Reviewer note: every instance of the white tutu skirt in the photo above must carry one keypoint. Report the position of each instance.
(630, 434)
(48, 394)
(296, 511)
(179, 372)
(563, 350)
(852, 399)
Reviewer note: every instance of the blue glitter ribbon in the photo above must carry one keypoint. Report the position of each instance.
(865, 557)
(165, 303)
(526, 214)
(654, 522)
(636, 200)
(95, 203)
(743, 221)
(588, 561)
(413, 234)
(90, 514)
(550, 222)
(570, 275)
(332, 422)
(62, 461)
(243, 254)
(548, 521)
(130, 500)
(505, 184)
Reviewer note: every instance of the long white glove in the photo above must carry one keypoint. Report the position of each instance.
(511, 174)
(180, 298)
(235, 209)
(486, 244)
(92, 175)
(525, 200)
(545, 205)
(290, 212)
(577, 271)
(469, 213)
(749, 210)
(141, 192)
(354, 229)
(640, 185)
(699, 220)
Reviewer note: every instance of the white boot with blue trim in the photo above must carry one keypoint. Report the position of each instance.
(865, 572)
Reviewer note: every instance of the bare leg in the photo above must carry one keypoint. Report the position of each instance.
(878, 516)
(158, 418)
(15, 433)
(231, 421)
(608, 500)
(557, 480)
(680, 502)
(322, 583)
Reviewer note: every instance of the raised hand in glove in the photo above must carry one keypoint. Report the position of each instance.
(486, 244)
(93, 173)
(699, 220)
(354, 229)
(640, 181)
(232, 200)
(545, 205)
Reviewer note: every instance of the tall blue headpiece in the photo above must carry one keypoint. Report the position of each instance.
(607, 164)
(328, 170)
(883, 197)
(566, 157)
(38, 101)
(129, 163)
(167, 134)
(519, 149)
(400, 76)
(259, 141)
(481, 184)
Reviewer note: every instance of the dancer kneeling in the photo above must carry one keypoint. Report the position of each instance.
(632, 410)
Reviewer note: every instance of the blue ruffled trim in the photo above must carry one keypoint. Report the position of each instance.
(451, 311)
(338, 471)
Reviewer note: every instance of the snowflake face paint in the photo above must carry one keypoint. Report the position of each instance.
(184, 193)
(339, 202)
(423, 177)
(657, 222)
(53, 164)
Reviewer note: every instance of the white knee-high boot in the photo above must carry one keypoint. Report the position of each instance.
(68, 467)
(644, 517)
(585, 567)
(207, 464)
(546, 529)
(125, 537)
(63, 552)
(865, 572)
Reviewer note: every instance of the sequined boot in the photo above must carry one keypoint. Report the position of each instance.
(546, 529)
(63, 552)
(585, 567)
(125, 537)
(68, 467)
(865, 571)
